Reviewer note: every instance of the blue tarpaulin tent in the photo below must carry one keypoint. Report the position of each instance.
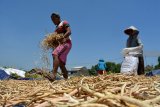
(3, 75)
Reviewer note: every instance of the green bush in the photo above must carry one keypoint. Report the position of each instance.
(15, 76)
(28, 75)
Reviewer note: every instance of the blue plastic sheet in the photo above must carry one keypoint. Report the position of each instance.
(3, 75)
(153, 73)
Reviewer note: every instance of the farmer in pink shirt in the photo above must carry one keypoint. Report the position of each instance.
(60, 52)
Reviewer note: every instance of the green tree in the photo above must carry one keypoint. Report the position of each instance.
(158, 65)
(93, 70)
(113, 67)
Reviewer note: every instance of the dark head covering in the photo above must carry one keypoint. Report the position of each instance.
(55, 15)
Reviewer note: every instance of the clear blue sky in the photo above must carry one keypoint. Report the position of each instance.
(97, 29)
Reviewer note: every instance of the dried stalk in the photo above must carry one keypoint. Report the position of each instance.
(110, 90)
(111, 96)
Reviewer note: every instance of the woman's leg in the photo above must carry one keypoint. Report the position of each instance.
(141, 66)
(63, 69)
(63, 58)
(55, 65)
(104, 72)
(100, 72)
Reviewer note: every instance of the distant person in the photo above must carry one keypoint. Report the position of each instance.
(101, 67)
(134, 41)
(159, 60)
(60, 52)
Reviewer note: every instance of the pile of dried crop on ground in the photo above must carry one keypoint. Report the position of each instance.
(52, 40)
(100, 91)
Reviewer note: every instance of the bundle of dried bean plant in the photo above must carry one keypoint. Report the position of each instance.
(52, 40)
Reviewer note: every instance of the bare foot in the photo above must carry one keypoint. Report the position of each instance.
(51, 77)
